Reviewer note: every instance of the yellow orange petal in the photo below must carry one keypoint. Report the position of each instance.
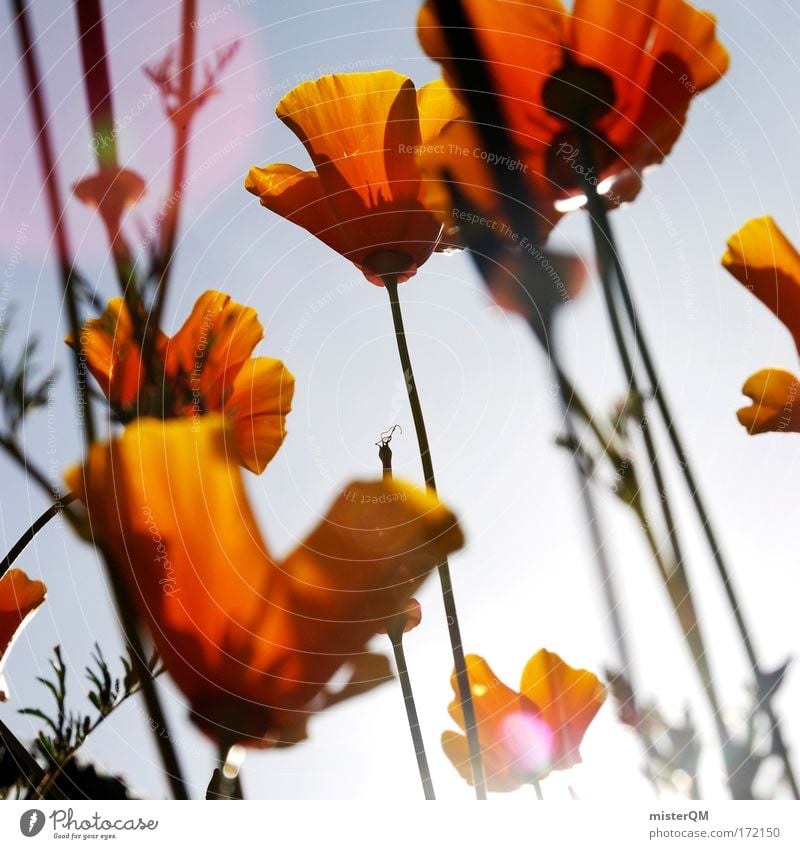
(761, 258)
(776, 405)
(389, 535)
(567, 698)
(112, 354)
(258, 404)
(19, 599)
(298, 196)
(212, 345)
(437, 106)
(361, 131)
(499, 779)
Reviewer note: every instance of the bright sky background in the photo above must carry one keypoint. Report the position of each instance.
(525, 579)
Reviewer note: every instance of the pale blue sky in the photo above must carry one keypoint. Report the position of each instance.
(525, 579)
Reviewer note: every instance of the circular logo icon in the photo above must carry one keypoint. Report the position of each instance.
(31, 822)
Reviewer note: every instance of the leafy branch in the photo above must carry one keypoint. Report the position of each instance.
(65, 733)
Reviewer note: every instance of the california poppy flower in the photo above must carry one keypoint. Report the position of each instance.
(526, 734)
(364, 200)
(609, 83)
(252, 641)
(763, 260)
(19, 599)
(204, 368)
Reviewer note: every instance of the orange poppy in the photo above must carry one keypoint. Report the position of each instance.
(364, 200)
(19, 599)
(618, 72)
(252, 642)
(775, 394)
(526, 734)
(763, 260)
(205, 367)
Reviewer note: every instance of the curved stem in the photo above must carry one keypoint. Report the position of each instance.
(448, 597)
(21, 544)
(396, 636)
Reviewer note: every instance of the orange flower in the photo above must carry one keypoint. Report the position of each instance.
(619, 72)
(775, 394)
(763, 260)
(364, 199)
(252, 642)
(19, 599)
(205, 367)
(524, 735)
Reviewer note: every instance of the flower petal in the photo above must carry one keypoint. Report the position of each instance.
(761, 258)
(298, 196)
(567, 698)
(691, 35)
(521, 43)
(515, 744)
(19, 599)
(437, 106)
(360, 130)
(212, 345)
(258, 404)
(499, 779)
(112, 354)
(612, 35)
(775, 407)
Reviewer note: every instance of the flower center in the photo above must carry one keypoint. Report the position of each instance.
(579, 94)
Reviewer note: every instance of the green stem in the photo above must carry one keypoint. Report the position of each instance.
(448, 597)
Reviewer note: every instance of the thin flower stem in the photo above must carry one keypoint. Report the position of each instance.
(698, 502)
(13, 449)
(537, 786)
(21, 544)
(568, 397)
(448, 597)
(396, 636)
(55, 207)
